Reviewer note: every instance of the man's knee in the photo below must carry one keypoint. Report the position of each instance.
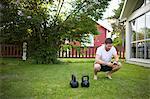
(119, 65)
(97, 67)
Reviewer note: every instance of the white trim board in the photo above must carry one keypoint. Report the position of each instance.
(137, 61)
(139, 12)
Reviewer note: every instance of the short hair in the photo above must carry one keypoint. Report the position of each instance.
(108, 41)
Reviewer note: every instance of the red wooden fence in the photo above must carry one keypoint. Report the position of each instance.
(88, 52)
(10, 51)
(80, 52)
(121, 52)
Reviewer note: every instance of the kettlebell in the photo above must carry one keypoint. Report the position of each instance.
(74, 83)
(85, 81)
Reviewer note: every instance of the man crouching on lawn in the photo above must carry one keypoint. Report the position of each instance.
(103, 58)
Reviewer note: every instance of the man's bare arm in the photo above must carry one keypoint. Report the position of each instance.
(116, 58)
(99, 61)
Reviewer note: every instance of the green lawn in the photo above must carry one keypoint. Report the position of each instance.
(21, 80)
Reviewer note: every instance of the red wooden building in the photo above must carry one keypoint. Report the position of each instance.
(97, 40)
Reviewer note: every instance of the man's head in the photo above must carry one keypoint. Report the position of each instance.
(108, 44)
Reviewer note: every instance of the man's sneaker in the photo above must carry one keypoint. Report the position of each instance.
(95, 77)
(109, 77)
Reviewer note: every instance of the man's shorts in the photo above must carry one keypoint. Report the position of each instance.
(105, 68)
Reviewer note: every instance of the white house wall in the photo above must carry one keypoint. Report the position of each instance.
(136, 14)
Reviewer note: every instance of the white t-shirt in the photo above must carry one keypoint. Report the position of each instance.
(106, 55)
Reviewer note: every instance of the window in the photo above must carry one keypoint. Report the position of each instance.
(147, 1)
(148, 49)
(140, 27)
(147, 25)
(140, 50)
(133, 25)
(140, 39)
(133, 50)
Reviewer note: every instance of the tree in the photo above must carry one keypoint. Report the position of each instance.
(118, 11)
(118, 28)
(45, 24)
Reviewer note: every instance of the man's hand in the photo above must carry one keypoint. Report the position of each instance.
(110, 64)
(115, 64)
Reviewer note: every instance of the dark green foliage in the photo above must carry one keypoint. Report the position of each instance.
(118, 28)
(118, 11)
(44, 25)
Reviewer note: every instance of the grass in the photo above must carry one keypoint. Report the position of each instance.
(21, 80)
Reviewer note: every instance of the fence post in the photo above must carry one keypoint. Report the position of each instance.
(24, 57)
(123, 52)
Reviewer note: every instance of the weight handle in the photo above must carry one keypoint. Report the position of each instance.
(85, 77)
(73, 78)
